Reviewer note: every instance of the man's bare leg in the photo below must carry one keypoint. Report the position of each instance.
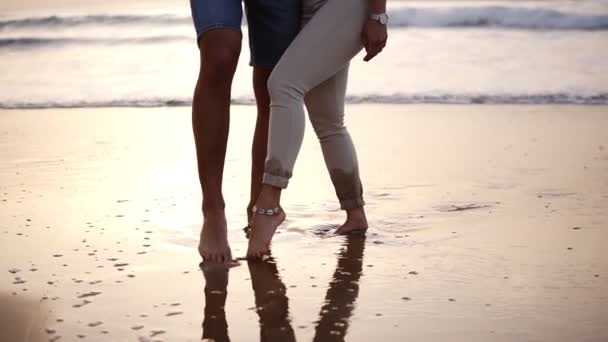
(260, 137)
(219, 51)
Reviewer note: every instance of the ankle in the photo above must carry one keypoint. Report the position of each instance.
(357, 214)
(213, 212)
(269, 197)
(249, 212)
(213, 204)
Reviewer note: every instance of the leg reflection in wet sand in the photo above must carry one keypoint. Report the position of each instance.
(342, 293)
(215, 327)
(272, 304)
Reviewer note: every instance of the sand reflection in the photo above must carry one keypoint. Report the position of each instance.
(272, 303)
(342, 292)
(215, 327)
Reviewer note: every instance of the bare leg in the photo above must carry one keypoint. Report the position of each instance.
(260, 137)
(220, 50)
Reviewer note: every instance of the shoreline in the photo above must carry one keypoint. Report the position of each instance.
(599, 100)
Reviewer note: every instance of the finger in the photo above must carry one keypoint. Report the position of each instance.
(379, 43)
(378, 47)
(381, 40)
(368, 51)
(364, 41)
(371, 53)
(370, 56)
(367, 46)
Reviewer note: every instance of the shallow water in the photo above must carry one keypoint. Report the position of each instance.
(486, 223)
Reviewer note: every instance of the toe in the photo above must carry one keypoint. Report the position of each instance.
(228, 256)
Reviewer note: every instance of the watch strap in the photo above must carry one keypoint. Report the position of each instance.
(382, 18)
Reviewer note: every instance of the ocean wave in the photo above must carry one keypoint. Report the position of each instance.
(32, 42)
(524, 18)
(510, 17)
(112, 20)
(498, 99)
(462, 99)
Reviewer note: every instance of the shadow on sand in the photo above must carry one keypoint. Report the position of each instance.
(22, 320)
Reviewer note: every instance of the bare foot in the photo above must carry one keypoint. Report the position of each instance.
(213, 245)
(262, 231)
(356, 222)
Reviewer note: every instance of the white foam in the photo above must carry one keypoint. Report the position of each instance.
(497, 16)
(398, 98)
(522, 17)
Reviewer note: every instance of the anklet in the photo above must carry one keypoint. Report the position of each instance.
(268, 212)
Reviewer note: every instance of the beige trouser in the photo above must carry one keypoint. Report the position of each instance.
(314, 70)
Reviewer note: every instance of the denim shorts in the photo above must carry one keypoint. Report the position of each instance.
(273, 24)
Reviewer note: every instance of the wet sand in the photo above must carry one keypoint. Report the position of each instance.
(487, 223)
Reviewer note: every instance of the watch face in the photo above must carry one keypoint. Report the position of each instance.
(383, 19)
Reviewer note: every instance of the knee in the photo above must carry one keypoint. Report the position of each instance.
(219, 64)
(260, 90)
(281, 88)
(327, 126)
(329, 131)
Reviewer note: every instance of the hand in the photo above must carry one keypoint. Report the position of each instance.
(373, 38)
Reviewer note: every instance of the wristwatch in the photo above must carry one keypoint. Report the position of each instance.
(382, 18)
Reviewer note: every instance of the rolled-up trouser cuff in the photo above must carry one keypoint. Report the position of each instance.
(352, 203)
(273, 180)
